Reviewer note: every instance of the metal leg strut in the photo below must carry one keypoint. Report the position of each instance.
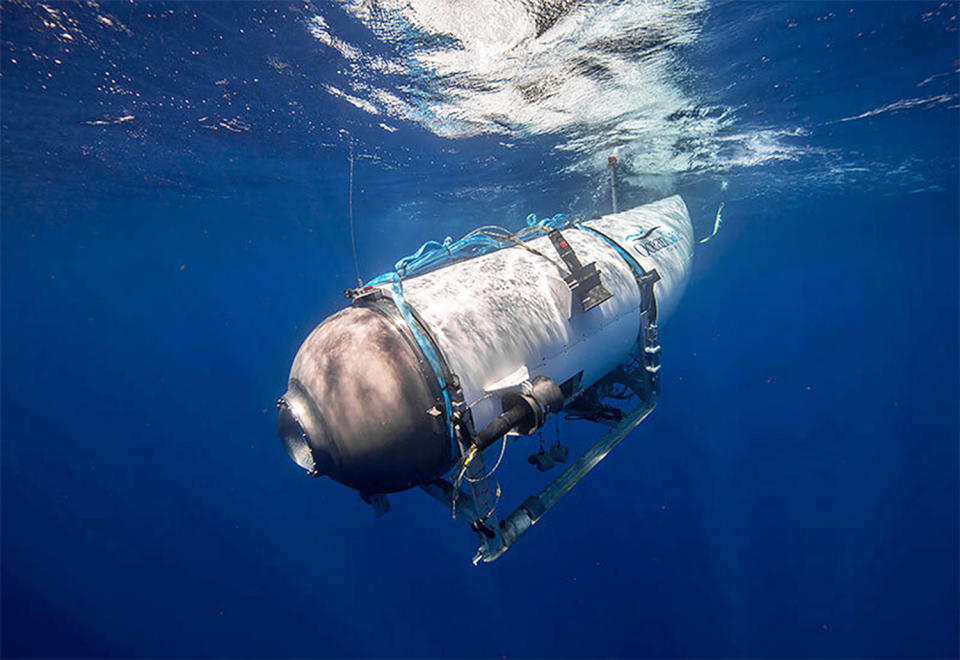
(528, 513)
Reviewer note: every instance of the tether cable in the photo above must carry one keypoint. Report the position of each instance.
(353, 240)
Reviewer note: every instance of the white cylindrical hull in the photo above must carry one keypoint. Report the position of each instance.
(507, 316)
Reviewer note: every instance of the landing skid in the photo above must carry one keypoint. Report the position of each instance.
(534, 507)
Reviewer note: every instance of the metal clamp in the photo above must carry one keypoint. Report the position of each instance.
(584, 281)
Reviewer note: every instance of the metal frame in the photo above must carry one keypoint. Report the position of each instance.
(479, 507)
(526, 515)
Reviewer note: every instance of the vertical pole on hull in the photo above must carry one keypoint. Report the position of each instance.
(612, 163)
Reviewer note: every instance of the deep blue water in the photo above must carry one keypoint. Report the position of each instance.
(174, 222)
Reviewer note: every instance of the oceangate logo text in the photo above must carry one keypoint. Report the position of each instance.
(648, 241)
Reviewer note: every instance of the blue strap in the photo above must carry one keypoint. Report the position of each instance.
(433, 253)
(428, 252)
(633, 263)
(430, 255)
(558, 221)
(396, 290)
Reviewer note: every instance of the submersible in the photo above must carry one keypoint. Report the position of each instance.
(468, 341)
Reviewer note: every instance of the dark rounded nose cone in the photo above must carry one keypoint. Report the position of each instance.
(358, 407)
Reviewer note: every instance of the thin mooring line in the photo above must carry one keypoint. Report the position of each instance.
(353, 240)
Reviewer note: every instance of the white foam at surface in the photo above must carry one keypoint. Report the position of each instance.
(596, 76)
(494, 74)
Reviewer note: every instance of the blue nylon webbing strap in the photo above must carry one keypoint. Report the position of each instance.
(396, 290)
(633, 263)
(434, 254)
(430, 255)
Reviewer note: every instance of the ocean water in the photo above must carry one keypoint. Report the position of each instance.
(175, 219)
